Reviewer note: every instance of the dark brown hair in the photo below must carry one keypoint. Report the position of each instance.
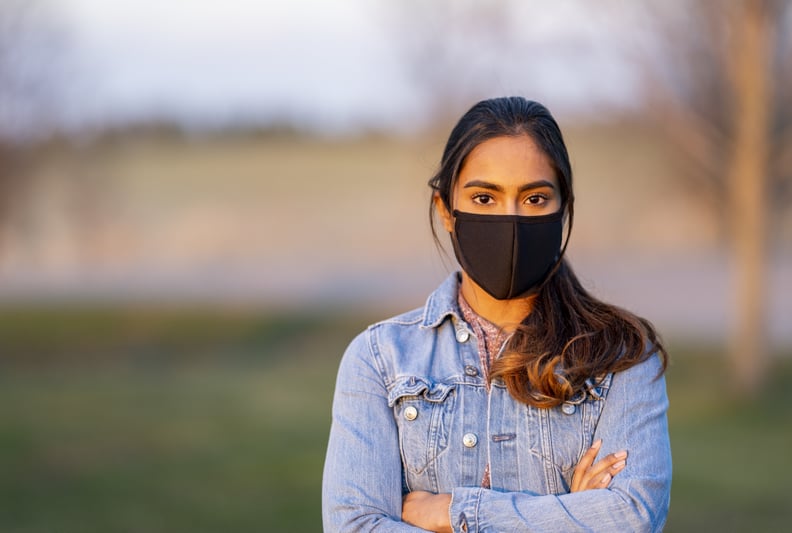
(570, 339)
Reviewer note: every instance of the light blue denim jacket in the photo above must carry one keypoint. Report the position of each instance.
(412, 412)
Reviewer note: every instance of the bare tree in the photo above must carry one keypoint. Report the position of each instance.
(718, 79)
(9, 93)
(451, 48)
(27, 61)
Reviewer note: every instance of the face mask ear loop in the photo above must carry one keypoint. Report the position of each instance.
(557, 264)
(571, 214)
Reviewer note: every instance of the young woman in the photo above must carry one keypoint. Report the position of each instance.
(486, 409)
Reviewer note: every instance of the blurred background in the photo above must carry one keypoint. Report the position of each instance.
(202, 202)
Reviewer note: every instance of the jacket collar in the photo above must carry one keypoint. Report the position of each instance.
(443, 303)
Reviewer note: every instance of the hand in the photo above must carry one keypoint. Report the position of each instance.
(427, 511)
(590, 475)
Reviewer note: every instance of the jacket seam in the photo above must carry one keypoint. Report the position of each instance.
(377, 356)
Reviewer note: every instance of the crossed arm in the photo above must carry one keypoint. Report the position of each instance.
(431, 511)
(363, 470)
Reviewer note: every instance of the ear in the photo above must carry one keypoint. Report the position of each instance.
(443, 213)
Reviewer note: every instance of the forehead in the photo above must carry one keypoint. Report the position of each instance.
(507, 161)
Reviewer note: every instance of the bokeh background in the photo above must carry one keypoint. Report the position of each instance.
(202, 202)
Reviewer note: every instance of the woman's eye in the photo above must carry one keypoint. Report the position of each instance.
(536, 199)
(483, 199)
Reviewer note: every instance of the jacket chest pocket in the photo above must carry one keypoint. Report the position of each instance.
(422, 410)
(570, 431)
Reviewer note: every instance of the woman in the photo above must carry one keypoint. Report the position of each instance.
(485, 409)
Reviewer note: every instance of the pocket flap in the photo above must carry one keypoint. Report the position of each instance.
(418, 387)
(597, 388)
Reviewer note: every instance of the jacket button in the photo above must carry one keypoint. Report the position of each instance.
(568, 409)
(469, 440)
(471, 370)
(462, 335)
(411, 413)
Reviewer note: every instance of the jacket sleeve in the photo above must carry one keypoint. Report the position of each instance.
(633, 418)
(362, 481)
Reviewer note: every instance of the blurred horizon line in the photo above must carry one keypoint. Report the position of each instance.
(641, 284)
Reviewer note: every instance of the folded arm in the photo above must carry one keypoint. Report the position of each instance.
(637, 499)
(362, 484)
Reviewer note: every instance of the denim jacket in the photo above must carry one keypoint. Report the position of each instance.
(412, 412)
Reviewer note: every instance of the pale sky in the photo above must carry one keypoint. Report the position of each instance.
(329, 64)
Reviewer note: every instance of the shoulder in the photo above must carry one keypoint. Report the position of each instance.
(374, 333)
(422, 321)
(649, 367)
(642, 379)
(392, 335)
(408, 342)
(370, 340)
(409, 319)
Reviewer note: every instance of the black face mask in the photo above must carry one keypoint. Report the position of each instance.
(507, 255)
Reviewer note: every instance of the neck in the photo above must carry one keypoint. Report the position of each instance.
(503, 313)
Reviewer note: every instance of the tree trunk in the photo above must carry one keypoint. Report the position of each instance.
(751, 69)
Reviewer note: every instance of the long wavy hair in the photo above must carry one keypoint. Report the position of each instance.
(570, 339)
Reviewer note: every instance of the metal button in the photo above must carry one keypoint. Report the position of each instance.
(568, 409)
(469, 440)
(471, 370)
(411, 413)
(462, 335)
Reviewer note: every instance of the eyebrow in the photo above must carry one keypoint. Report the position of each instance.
(495, 187)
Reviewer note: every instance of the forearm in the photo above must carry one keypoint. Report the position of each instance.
(484, 510)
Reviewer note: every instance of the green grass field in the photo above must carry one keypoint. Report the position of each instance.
(167, 420)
